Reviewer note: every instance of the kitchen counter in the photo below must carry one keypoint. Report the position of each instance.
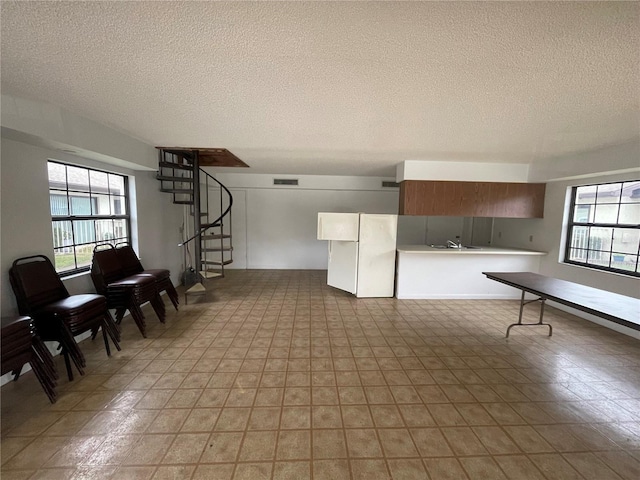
(466, 251)
(425, 272)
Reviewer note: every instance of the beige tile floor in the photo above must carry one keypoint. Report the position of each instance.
(277, 376)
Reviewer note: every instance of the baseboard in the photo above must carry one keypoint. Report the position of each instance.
(456, 296)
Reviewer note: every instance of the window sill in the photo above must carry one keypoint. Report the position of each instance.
(598, 270)
(75, 275)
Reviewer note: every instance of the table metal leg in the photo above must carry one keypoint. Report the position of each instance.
(540, 322)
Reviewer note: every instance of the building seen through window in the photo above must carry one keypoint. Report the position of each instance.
(87, 207)
(604, 227)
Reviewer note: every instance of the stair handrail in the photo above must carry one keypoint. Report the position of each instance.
(182, 244)
(203, 229)
(223, 214)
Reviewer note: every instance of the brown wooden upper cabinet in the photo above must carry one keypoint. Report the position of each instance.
(472, 199)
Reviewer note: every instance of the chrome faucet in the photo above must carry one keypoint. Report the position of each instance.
(452, 244)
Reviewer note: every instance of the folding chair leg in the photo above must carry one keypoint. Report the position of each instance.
(16, 373)
(67, 364)
(120, 314)
(111, 329)
(76, 356)
(158, 307)
(106, 342)
(47, 385)
(173, 295)
(94, 332)
(45, 357)
(138, 317)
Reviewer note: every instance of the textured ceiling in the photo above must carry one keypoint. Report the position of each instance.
(337, 88)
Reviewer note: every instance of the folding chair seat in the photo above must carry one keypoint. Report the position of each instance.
(21, 345)
(124, 292)
(57, 315)
(131, 266)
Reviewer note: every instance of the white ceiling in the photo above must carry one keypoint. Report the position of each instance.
(349, 88)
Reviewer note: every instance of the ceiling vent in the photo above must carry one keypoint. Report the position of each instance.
(390, 185)
(285, 181)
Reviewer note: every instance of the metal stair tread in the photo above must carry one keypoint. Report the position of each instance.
(186, 191)
(211, 238)
(218, 249)
(215, 262)
(210, 274)
(217, 236)
(179, 152)
(198, 288)
(166, 178)
(180, 166)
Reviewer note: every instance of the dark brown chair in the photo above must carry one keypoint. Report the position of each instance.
(124, 292)
(131, 266)
(57, 315)
(21, 345)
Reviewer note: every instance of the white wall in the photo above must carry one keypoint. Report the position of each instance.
(421, 230)
(26, 218)
(50, 126)
(280, 221)
(25, 221)
(616, 159)
(547, 234)
(461, 171)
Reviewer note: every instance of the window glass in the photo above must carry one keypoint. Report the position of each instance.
(80, 204)
(78, 179)
(604, 227)
(57, 176)
(99, 181)
(586, 194)
(101, 204)
(59, 203)
(631, 192)
(609, 193)
(87, 206)
(116, 184)
(607, 213)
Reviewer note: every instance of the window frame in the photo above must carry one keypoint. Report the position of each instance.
(68, 194)
(571, 223)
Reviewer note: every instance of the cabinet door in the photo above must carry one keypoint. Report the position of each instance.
(472, 199)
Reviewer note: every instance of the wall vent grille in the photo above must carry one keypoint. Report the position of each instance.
(390, 185)
(285, 181)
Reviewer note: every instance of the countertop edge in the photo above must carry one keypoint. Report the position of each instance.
(425, 249)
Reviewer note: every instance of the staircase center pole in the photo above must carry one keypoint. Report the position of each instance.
(196, 212)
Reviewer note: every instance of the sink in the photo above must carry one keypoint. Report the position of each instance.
(464, 247)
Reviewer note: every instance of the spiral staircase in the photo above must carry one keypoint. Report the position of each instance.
(207, 241)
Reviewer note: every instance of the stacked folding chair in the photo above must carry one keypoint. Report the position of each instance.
(21, 345)
(131, 265)
(124, 292)
(57, 315)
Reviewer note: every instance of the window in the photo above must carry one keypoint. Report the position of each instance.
(87, 207)
(604, 227)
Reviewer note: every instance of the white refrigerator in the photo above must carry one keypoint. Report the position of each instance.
(362, 252)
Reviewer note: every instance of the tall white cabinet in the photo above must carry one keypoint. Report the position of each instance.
(362, 252)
